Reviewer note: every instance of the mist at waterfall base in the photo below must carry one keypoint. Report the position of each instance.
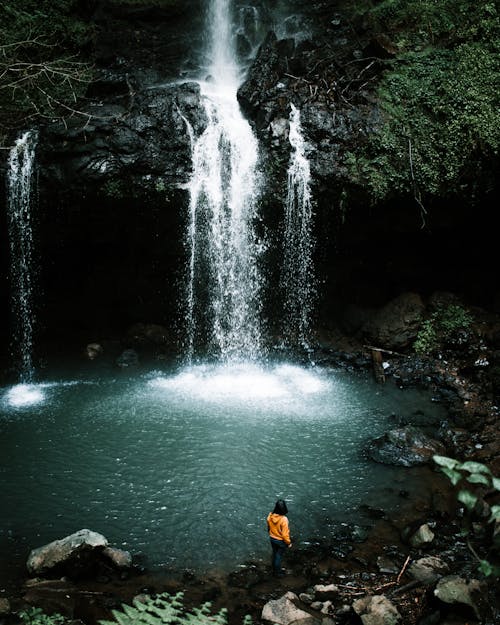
(184, 467)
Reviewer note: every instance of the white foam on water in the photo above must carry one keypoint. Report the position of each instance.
(25, 395)
(244, 383)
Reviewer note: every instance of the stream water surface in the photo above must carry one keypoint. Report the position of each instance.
(183, 467)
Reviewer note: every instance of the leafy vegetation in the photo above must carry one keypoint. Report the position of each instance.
(477, 474)
(36, 616)
(166, 609)
(446, 325)
(439, 101)
(43, 70)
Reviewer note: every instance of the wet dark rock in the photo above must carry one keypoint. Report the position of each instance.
(428, 570)
(149, 333)
(147, 142)
(93, 350)
(387, 565)
(128, 359)
(407, 446)
(245, 577)
(396, 325)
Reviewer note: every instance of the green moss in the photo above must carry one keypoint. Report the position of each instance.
(439, 101)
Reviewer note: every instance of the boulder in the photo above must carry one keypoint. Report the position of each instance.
(457, 590)
(128, 359)
(396, 325)
(428, 570)
(406, 446)
(376, 610)
(284, 611)
(72, 553)
(151, 333)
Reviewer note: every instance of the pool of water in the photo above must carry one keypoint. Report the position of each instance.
(183, 467)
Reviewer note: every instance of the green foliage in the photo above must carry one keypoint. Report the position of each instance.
(473, 473)
(417, 23)
(36, 616)
(165, 609)
(443, 327)
(114, 188)
(439, 101)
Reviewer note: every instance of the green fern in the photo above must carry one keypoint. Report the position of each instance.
(166, 609)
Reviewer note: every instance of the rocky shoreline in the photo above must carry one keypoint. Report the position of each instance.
(412, 566)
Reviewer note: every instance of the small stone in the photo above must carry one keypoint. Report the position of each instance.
(386, 565)
(423, 536)
(4, 607)
(306, 598)
(327, 607)
(376, 610)
(428, 570)
(324, 592)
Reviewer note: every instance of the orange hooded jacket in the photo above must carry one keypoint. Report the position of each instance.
(278, 527)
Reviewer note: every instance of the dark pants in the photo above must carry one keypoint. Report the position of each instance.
(279, 548)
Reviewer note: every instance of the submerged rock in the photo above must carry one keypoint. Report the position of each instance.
(407, 446)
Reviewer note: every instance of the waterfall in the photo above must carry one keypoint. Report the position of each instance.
(297, 277)
(20, 180)
(223, 299)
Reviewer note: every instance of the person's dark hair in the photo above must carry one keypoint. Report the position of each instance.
(280, 507)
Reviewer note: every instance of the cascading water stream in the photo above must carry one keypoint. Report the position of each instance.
(223, 299)
(20, 180)
(297, 277)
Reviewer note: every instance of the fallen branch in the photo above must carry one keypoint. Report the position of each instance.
(385, 351)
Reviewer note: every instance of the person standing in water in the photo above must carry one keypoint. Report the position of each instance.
(279, 533)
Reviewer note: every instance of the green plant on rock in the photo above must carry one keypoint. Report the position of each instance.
(36, 616)
(439, 104)
(477, 474)
(166, 609)
(444, 326)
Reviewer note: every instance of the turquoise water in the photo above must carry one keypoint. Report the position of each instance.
(184, 467)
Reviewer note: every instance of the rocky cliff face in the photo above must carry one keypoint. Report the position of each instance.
(113, 201)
